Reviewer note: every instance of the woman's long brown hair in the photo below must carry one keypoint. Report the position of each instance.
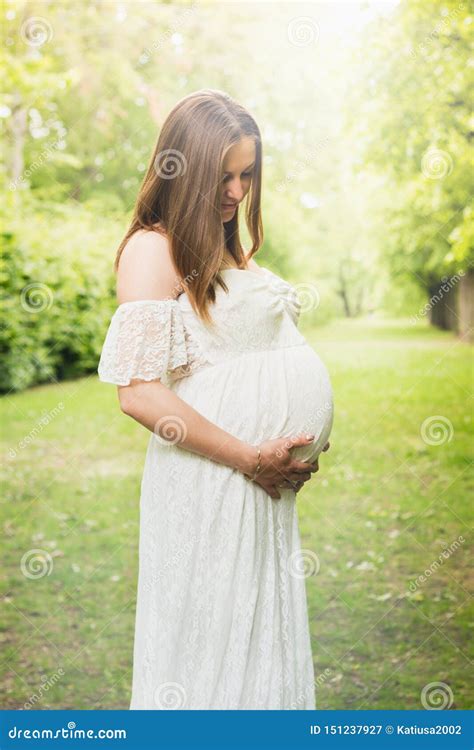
(182, 191)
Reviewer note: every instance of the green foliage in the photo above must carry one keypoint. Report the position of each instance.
(414, 126)
(56, 272)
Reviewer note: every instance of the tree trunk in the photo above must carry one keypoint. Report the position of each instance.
(343, 292)
(466, 305)
(443, 306)
(452, 304)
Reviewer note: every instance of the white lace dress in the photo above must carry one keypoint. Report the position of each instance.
(221, 619)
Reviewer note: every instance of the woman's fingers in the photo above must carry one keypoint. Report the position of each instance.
(290, 485)
(304, 477)
(294, 476)
(302, 467)
(272, 490)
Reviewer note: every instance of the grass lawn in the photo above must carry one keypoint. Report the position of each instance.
(392, 494)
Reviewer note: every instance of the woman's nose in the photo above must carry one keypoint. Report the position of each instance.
(234, 193)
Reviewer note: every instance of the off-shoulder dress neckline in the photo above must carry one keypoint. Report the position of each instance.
(246, 270)
(146, 301)
(175, 299)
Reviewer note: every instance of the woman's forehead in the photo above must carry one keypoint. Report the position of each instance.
(240, 155)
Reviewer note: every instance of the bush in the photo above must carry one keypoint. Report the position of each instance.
(58, 293)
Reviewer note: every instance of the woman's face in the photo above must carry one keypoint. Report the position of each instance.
(238, 170)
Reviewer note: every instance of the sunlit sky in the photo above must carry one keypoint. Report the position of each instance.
(348, 17)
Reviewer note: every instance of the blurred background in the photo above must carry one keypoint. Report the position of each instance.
(365, 115)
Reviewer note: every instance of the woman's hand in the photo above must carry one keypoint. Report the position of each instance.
(279, 469)
(296, 486)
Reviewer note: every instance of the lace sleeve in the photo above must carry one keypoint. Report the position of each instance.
(145, 340)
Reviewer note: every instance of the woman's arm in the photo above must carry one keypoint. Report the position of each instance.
(163, 412)
(146, 271)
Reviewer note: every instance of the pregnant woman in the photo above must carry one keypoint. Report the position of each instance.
(206, 353)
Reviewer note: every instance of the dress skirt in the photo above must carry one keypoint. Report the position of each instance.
(222, 618)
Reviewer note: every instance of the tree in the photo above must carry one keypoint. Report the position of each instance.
(411, 93)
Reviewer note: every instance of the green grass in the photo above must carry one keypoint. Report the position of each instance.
(380, 511)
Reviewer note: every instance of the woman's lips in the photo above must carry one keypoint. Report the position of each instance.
(229, 205)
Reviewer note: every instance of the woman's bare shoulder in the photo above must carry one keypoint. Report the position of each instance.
(146, 269)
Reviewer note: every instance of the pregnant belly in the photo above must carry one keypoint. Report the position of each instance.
(266, 394)
(304, 400)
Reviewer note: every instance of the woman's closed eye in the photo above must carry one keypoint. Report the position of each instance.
(244, 174)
